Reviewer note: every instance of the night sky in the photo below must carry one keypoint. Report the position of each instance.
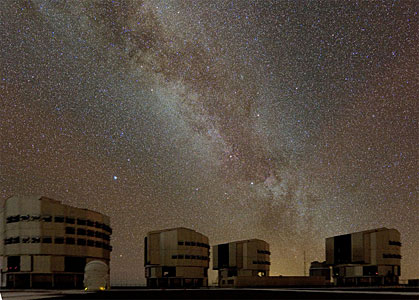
(285, 121)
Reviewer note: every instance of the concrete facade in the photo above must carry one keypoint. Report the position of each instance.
(46, 244)
(247, 258)
(370, 257)
(176, 258)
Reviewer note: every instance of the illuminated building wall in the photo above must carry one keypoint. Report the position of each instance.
(366, 257)
(45, 243)
(241, 258)
(177, 257)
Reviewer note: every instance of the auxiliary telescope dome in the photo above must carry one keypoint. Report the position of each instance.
(96, 276)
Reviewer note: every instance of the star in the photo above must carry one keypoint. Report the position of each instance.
(174, 115)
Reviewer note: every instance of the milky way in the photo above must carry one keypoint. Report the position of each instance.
(285, 121)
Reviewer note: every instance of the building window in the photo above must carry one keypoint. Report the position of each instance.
(187, 257)
(174, 256)
(25, 217)
(15, 240)
(106, 237)
(261, 262)
(70, 241)
(264, 252)
(180, 256)
(98, 234)
(26, 239)
(180, 243)
(98, 225)
(394, 243)
(13, 219)
(90, 243)
(59, 240)
(81, 222)
(13, 263)
(35, 218)
(47, 240)
(81, 242)
(98, 244)
(90, 223)
(193, 257)
(58, 219)
(46, 218)
(36, 240)
(70, 230)
(392, 256)
(90, 233)
(69, 220)
(193, 244)
(81, 231)
(107, 228)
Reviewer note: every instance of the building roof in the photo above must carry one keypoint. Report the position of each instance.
(40, 197)
(244, 241)
(367, 231)
(172, 229)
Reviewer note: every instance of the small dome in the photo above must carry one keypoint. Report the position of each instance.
(96, 265)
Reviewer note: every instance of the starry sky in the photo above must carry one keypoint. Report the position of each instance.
(288, 121)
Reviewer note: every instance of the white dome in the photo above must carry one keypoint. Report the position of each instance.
(96, 265)
(96, 276)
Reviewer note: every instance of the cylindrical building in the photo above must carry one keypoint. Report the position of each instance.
(46, 244)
